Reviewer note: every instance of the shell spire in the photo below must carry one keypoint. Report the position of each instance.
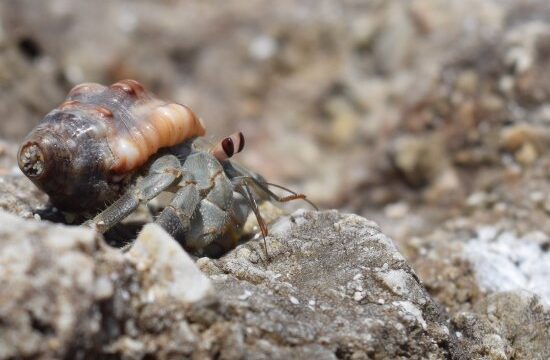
(139, 124)
(152, 124)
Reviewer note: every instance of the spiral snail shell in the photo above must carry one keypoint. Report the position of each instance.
(98, 138)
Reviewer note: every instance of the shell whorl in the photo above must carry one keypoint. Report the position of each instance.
(135, 122)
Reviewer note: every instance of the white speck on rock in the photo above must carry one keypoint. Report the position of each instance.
(487, 233)
(496, 346)
(396, 280)
(103, 288)
(476, 199)
(294, 300)
(281, 226)
(411, 310)
(397, 210)
(245, 295)
(262, 47)
(127, 21)
(359, 295)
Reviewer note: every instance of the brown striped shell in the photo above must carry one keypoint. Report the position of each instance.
(98, 138)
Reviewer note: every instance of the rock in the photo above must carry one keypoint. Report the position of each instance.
(17, 193)
(334, 285)
(422, 162)
(166, 268)
(396, 210)
(48, 276)
(467, 82)
(72, 296)
(494, 282)
(20, 196)
(393, 45)
(33, 87)
(526, 142)
(504, 261)
(507, 324)
(527, 154)
(335, 282)
(406, 154)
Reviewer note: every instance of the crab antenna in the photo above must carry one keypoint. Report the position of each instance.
(295, 196)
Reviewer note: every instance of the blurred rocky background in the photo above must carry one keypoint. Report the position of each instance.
(430, 117)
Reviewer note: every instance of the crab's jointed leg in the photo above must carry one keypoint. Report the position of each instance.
(263, 186)
(176, 217)
(164, 172)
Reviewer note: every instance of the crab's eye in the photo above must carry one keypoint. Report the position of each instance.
(229, 146)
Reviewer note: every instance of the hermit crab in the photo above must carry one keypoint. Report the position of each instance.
(123, 146)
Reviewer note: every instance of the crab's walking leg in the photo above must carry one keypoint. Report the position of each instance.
(245, 192)
(240, 175)
(164, 172)
(176, 217)
(242, 188)
(249, 180)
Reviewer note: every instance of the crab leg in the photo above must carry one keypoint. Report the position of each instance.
(165, 171)
(255, 183)
(176, 217)
(245, 192)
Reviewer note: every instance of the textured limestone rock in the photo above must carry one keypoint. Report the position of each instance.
(65, 294)
(47, 280)
(333, 286)
(17, 193)
(506, 325)
(494, 282)
(332, 282)
(503, 261)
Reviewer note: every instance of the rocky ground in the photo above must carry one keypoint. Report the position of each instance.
(429, 117)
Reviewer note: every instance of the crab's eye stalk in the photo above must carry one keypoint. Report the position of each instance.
(229, 146)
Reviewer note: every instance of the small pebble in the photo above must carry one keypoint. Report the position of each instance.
(397, 210)
(537, 197)
(358, 296)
